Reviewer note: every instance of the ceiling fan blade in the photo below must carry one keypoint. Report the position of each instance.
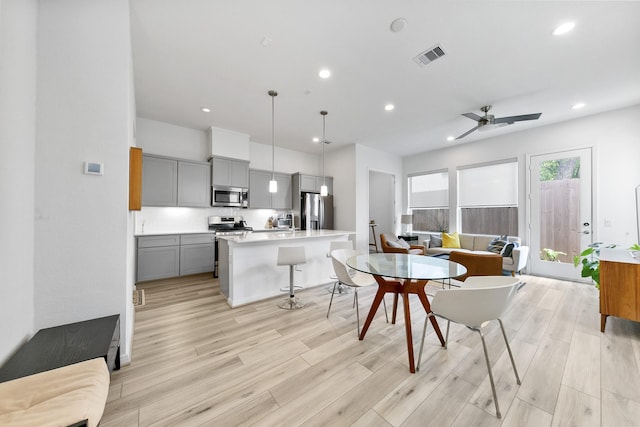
(468, 132)
(473, 116)
(512, 119)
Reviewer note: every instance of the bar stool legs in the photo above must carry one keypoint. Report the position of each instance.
(291, 256)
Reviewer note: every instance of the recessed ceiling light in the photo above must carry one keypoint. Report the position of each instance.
(564, 28)
(205, 110)
(316, 139)
(324, 73)
(398, 25)
(578, 106)
(389, 107)
(451, 138)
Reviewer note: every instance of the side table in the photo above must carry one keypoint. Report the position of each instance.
(412, 238)
(64, 345)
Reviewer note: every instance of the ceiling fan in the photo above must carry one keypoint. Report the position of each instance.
(489, 121)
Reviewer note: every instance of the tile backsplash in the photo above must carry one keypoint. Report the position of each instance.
(153, 220)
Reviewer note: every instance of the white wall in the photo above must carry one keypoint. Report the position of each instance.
(83, 114)
(18, 29)
(170, 140)
(615, 136)
(369, 159)
(166, 139)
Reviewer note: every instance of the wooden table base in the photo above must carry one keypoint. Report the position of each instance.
(406, 287)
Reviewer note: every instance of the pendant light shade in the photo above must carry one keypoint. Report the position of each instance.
(324, 191)
(273, 184)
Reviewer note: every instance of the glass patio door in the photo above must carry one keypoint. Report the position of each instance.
(560, 211)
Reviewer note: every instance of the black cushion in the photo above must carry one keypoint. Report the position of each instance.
(508, 248)
(498, 244)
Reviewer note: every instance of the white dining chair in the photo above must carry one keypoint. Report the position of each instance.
(480, 300)
(337, 285)
(354, 279)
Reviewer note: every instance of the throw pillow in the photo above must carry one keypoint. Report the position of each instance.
(403, 244)
(508, 249)
(451, 240)
(393, 244)
(435, 242)
(497, 245)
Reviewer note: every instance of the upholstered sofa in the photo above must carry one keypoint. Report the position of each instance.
(479, 243)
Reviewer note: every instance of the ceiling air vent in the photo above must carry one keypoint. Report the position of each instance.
(429, 55)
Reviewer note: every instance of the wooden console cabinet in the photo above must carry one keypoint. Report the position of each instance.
(619, 286)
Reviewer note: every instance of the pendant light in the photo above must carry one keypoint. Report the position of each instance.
(324, 191)
(273, 184)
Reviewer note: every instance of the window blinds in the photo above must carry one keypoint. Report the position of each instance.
(489, 185)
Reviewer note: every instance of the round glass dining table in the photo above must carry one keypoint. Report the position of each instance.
(403, 274)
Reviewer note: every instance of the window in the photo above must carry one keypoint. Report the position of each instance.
(488, 198)
(429, 201)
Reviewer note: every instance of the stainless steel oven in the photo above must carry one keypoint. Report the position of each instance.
(230, 197)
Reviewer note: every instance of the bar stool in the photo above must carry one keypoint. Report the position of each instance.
(291, 256)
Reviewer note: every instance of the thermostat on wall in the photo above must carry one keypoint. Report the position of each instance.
(91, 168)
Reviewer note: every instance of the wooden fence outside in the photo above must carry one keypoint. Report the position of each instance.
(560, 217)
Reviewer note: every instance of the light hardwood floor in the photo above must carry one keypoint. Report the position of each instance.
(195, 361)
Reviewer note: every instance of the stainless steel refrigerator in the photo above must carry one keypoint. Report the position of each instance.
(316, 213)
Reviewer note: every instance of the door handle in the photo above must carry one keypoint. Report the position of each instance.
(584, 232)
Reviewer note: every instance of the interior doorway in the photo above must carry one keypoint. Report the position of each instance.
(382, 196)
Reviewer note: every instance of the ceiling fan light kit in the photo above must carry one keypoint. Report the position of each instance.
(489, 121)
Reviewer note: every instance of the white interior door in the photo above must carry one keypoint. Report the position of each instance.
(382, 202)
(560, 211)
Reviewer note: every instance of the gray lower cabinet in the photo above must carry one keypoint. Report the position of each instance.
(173, 255)
(158, 257)
(197, 253)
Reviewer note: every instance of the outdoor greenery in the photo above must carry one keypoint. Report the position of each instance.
(590, 261)
(552, 170)
(547, 254)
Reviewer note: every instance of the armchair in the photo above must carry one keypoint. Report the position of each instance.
(392, 244)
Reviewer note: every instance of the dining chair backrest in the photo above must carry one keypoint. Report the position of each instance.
(340, 244)
(477, 302)
(339, 259)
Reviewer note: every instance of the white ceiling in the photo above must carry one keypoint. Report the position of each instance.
(188, 54)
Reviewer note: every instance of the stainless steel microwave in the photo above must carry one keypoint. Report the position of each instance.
(230, 197)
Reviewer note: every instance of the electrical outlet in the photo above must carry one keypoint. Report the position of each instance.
(607, 223)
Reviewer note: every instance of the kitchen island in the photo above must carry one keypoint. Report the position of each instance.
(247, 263)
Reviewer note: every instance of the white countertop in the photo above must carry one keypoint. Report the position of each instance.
(252, 237)
(618, 255)
(167, 233)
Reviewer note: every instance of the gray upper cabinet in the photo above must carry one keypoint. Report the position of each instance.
(259, 196)
(312, 184)
(194, 184)
(159, 181)
(229, 172)
(282, 199)
(172, 182)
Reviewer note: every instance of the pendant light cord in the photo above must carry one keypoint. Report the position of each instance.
(273, 97)
(324, 142)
